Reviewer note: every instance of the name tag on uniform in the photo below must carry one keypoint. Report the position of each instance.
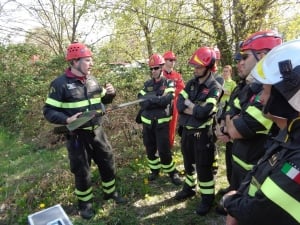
(71, 86)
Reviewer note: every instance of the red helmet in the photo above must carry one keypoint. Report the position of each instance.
(218, 53)
(156, 60)
(77, 50)
(204, 56)
(260, 40)
(169, 55)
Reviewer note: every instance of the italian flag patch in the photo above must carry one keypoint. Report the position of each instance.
(291, 172)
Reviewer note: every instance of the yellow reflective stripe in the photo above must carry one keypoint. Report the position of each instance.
(207, 184)
(103, 93)
(190, 180)
(254, 187)
(207, 191)
(84, 195)
(192, 177)
(154, 164)
(85, 198)
(88, 191)
(155, 167)
(203, 187)
(168, 168)
(257, 114)
(109, 191)
(159, 121)
(145, 120)
(190, 183)
(155, 161)
(164, 120)
(142, 92)
(53, 102)
(72, 105)
(262, 132)
(211, 100)
(285, 201)
(107, 184)
(184, 94)
(169, 90)
(252, 190)
(236, 103)
(202, 126)
(241, 163)
(90, 128)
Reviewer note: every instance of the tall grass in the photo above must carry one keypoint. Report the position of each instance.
(32, 180)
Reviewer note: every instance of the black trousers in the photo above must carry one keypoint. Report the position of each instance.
(197, 148)
(156, 139)
(84, 146)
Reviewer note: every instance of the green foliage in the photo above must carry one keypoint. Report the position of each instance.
(24, 85)
(32, 180)
(291, 28)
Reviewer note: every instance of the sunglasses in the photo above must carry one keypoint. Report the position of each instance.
(154, 68)
(244, 56)
(171, 60)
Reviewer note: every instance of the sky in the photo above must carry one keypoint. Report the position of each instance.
(16, 19)
(12, 18)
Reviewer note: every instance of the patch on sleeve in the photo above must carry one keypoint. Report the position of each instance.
(291, 171)
(52, 90)
(217, 93)
(171, 83)
(71, 86)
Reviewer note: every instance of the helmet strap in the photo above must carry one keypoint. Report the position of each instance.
(276, 103)
(79, 68)
(255, 55)
(203, 74)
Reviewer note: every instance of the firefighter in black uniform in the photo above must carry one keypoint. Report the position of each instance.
(270, 193)
(156, 114)
(229, 105)
(244, 121)
(70, 94)
(197, 104)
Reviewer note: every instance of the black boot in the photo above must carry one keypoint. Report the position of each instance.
(205, 204)
(115, 196)
(175, 178)
(153, 175)
(186, 192)
(85, 209)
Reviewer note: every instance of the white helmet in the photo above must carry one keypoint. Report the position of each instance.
(281, 68)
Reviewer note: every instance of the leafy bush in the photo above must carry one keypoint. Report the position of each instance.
(25, 86)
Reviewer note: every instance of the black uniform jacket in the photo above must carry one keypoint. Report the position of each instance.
(69, 95)
(159, 96)
(252, 125)
(205, 97)
(270, 194)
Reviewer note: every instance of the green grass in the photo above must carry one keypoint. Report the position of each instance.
(31, 180)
